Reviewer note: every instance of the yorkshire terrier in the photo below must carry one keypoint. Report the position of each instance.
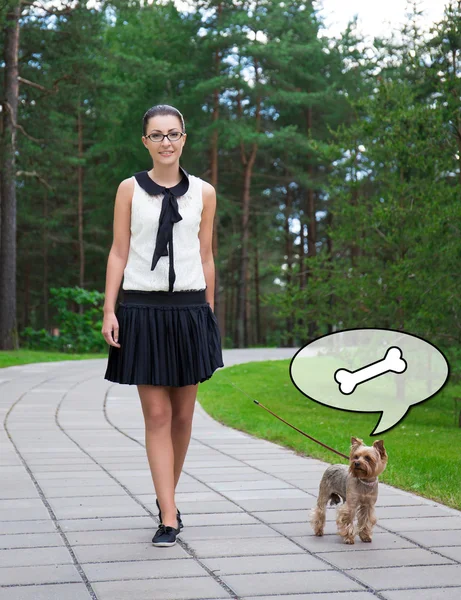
(357, 486)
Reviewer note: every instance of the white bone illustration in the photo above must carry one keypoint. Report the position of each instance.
(348, 380)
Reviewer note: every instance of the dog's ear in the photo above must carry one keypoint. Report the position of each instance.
(356, 442)
(379, 445)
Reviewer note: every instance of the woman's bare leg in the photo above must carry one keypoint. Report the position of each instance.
(157, 410)
(183, 404)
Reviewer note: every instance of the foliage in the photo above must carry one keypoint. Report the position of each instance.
(371, 133)
(79, 331)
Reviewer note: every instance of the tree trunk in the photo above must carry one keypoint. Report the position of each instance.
(248, 320)
(46, 314)
(248, 163)
(80, 201)
(302, 254)
(257, 301)
(229, 289)
(235, 299)
(219, 300)
(26, 308)
(310, 213)
(302, 268)
(354, 248)
(8, 326)
(331, 300)
(289, 255)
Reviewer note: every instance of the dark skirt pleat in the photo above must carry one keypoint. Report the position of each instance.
(165, 345)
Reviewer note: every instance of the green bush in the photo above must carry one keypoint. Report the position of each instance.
(79, 319)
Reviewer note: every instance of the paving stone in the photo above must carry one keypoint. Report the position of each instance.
(25, 557)
(243, 547)
(410, 512)
(243, 495)
(423, 524)
(216, 459)
(126, 552)
(62, 464)
(256, 530)
(201, 472)
(145, 569)
(30, 540)
(115, 536)
(398, 500)
(338, 596)
(189, 497)
(448, 593)
(263, 484)
(61, 591)
(333, 542)
(275, 517)
(92, 501)
(384, 558)
(24, 514)
(435, 538)
(194, 508)
(283, 583)
(107, 510)
(279, 505)
(453, 552)
(12, 505)
(303, 527)
(198, 520)
(284, 464)
(13, 527)
(80, 477)
(410, 577)
(104, 523)
(38, 470)
(211, 479)
(191, 588)
(90, 491)
(265, 564)
(39, 574)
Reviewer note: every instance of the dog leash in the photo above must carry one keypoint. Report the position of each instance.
(283, 420)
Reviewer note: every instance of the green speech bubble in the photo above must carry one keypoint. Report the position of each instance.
(370, 370)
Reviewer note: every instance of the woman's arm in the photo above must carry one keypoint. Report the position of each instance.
(118, 254)
(206, 236)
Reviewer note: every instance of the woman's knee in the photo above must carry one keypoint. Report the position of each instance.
(182, 419)
(183, 405)
(156, 406)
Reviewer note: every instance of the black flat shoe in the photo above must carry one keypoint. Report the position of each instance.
(165, 536)
(178, 515)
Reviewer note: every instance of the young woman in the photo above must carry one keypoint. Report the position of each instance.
(164, 337)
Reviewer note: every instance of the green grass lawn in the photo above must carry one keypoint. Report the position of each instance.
(424, 448)
(9, 358)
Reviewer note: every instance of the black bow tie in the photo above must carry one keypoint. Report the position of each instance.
(168, 217)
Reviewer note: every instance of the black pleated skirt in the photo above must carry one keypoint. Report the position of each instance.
(166, 338)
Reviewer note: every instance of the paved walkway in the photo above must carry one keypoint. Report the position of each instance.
(78, 511)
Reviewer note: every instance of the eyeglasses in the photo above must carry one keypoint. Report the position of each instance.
(174, 136)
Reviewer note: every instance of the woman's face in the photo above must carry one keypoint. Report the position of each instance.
(164, 124)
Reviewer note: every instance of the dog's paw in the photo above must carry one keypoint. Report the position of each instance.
(319, 532)
(349, 541)
(364, 537)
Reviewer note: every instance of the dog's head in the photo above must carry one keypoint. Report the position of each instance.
(367, 461)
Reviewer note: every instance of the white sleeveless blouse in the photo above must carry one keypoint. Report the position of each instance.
(145, 216)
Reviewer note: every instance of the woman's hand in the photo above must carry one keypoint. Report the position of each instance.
(110, 329)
